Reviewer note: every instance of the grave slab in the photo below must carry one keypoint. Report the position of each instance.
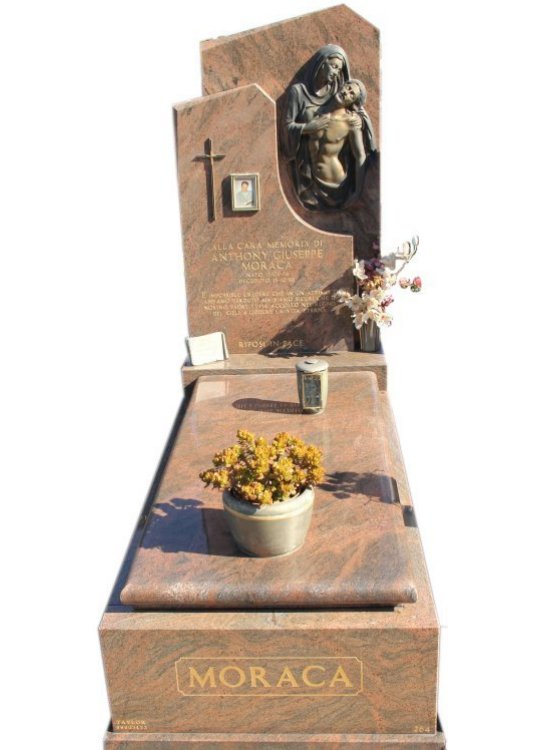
(355, 554)
(145, 654)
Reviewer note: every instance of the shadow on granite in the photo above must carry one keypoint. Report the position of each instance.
(356, 552)
(325, 327)
(284, 354)
(376, 487)
(186, 525)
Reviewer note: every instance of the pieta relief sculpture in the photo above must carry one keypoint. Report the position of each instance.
(327, 133)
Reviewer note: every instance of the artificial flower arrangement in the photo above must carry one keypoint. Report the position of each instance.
(266, 481)
(263, 472)
(374, 280)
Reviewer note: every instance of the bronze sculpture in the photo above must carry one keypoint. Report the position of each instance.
(327, 133)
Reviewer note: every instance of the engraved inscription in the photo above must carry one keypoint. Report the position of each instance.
(265, 274)
(283, 344)
(278, 261)
(269, 676)
(130, 725)
(272, 302)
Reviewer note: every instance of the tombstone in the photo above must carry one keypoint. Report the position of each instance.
(335, 645)
(261, 275)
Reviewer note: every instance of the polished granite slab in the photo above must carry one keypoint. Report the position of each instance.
(252, 364)
(355, 554)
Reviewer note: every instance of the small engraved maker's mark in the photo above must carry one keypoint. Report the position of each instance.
(130, 725)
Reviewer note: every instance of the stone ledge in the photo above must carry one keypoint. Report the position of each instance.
(223, 741)
(251, 364)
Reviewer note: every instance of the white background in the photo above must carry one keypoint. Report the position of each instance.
(93, 324)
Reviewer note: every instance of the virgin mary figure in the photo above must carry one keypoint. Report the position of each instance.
(309, 103)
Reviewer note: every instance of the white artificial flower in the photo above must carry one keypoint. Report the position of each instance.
(359, 270)
(367, 305)
(375, 295)
(342, 296)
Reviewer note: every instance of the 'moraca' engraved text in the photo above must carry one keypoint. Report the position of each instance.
(271, 675)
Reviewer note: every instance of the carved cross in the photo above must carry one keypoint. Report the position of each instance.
(208, 158)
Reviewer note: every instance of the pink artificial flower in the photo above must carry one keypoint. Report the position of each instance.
(416, 284)
(387, 301)
(404, 283)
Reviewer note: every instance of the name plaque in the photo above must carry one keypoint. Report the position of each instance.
(276, 676)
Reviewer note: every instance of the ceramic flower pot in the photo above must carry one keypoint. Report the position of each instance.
(370, 337)
(269, 530)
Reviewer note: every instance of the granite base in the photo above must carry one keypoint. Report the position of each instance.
(392, 653)
(127, 741)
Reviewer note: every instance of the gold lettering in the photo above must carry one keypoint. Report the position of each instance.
(340, 676)
(305, 676)
(208, 677)
(241, 676)
(288, 678)
(318, 675)
(257, 675)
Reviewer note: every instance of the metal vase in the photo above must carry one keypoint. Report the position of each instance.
(269, 530)
(370, 337)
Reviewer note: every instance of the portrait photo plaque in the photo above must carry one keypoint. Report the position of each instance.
(245, 192)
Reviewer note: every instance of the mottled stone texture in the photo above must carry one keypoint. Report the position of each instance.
(251, 364)
(273, 57)
(215, 741)
(354, 555)
(397, 646)
(265, 278)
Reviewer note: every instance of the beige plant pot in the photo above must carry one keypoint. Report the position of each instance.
(269, 530)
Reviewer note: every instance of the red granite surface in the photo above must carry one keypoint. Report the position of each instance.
(274, 56)
(265, 278)
(355, 553)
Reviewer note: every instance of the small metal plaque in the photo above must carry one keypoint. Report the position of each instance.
(312, 390)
